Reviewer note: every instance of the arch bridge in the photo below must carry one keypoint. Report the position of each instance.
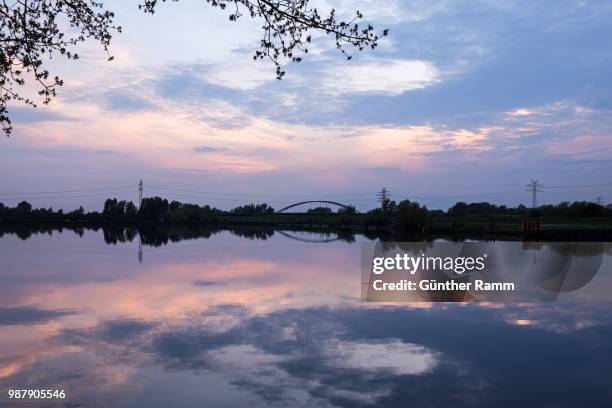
(334, 203)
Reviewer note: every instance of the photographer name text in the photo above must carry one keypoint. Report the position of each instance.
(424, 264)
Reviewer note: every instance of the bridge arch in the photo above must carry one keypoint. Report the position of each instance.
(282, 210)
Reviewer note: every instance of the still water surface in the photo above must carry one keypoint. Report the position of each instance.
(234, 321)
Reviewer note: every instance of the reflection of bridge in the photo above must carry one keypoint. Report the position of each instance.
(323, 237)
(282, 210)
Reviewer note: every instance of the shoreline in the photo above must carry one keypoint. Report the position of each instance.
(549, 232)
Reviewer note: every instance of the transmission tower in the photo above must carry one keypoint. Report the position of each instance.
(534, 187)
(383, 195)
(600, 200)
(140, 185)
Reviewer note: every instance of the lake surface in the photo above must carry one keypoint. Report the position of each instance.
(266, 319)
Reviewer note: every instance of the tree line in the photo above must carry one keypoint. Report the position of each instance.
(406, 214)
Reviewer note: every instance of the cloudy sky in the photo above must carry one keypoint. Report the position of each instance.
(465, 100)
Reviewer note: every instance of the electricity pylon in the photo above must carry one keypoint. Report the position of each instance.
(534, 187)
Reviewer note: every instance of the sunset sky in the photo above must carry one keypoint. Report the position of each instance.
(465, 100)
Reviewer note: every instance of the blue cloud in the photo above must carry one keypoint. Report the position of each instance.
(61, 152)
(26, 114)
(125, 102)
(493, 57)
(31, 315)
(189, 83)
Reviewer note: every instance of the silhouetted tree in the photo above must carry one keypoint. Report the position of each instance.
(130, 209)
(253, 209)
(114, 207)
(154, 209)
(458, 210)
(79, 212)
(174, 205)
(411, 216)
(348, 210)
(389, 207)
(319, 210)
(462, 209)
(33, 30)
(23, 209)
(575, 209)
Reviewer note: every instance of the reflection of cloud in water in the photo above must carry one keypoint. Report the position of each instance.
(332, 357)
(243, 357)
(220, 318)
(395, 356)
(294, 357)
(557, 317)
(286, 330)
(268, 376)
(253, 369)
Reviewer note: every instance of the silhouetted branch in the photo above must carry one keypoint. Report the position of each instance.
(288, 25)
(32, 30)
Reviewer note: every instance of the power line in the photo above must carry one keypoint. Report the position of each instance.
(460, 196)
(262, 196)
(204, 197)
(259, 195)
(67, 191)
(201, 197)
(209, 195)
(55, 197)
(583, 186)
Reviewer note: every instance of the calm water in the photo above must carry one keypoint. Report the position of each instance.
(234, 321)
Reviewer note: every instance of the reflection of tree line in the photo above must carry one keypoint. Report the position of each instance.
(154, 234)
(158, 235)
(400, 219)
(162, 234)
(26, 231)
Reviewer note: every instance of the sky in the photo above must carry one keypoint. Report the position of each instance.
(464, 101)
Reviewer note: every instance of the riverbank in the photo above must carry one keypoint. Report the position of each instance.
(550, 229)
